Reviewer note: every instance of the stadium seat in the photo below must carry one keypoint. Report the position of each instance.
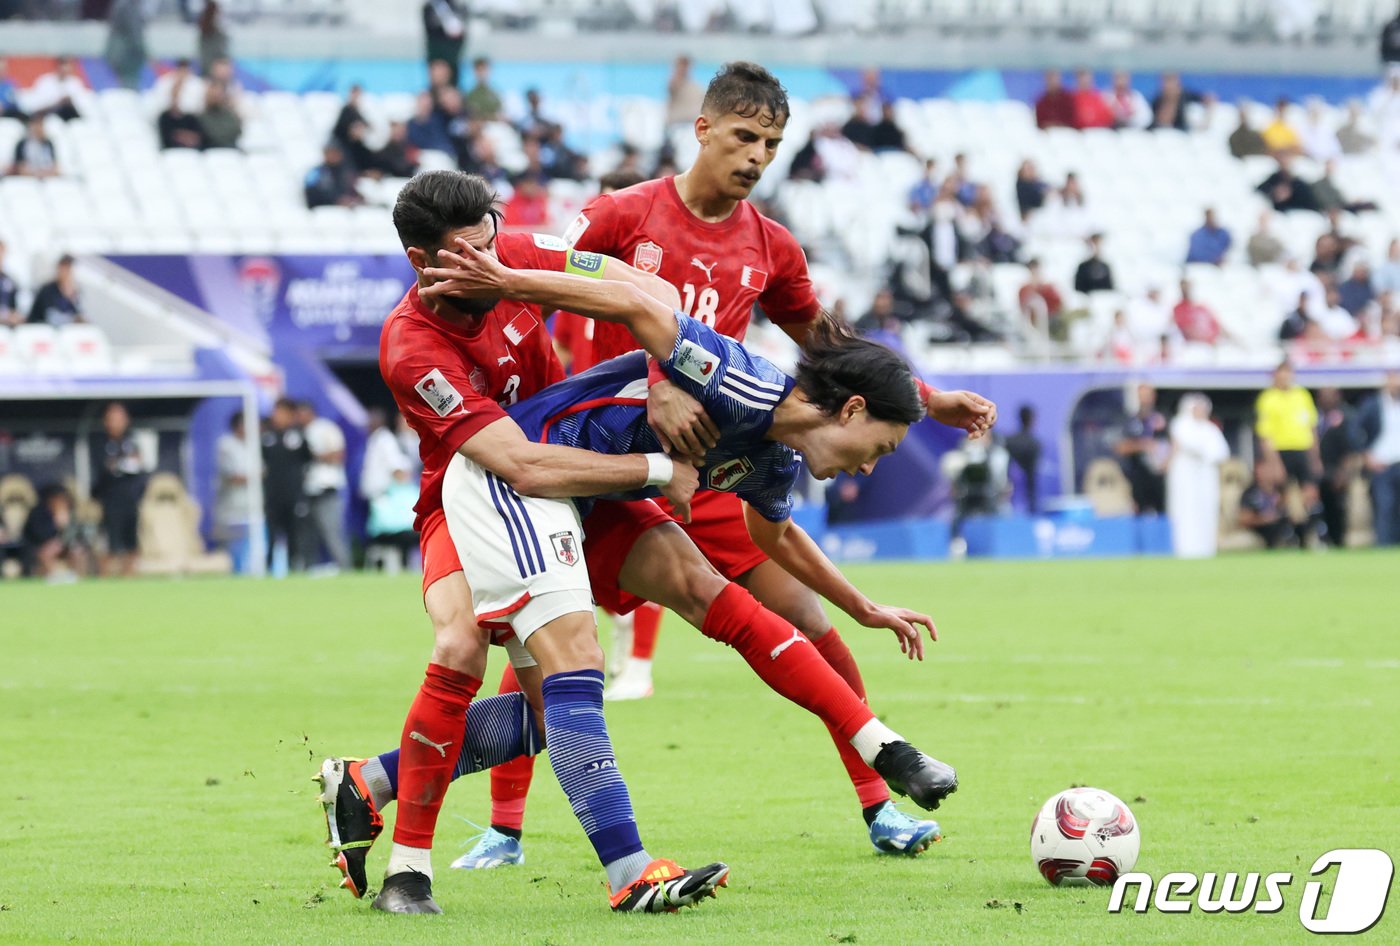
(36, 347)
(8, 361)
(17, 498)
(168, 534)
(1108, 489)
(85, 349)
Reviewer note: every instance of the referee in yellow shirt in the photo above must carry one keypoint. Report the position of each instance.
(1285, 420)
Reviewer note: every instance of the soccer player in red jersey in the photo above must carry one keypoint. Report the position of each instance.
(699, 233)
(453, 366)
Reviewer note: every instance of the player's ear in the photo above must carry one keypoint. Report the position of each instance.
(854, 406)
(420, 259)
(702, 129)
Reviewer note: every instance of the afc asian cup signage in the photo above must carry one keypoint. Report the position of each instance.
(324, 299)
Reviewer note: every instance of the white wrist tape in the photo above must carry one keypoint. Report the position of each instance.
(660, 469)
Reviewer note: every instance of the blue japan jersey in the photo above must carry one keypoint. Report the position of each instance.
(604, 410)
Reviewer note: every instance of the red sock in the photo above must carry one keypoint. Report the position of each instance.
(510, 781)
(646, 622)
(786, 660)
(428, 750)
(870, 787)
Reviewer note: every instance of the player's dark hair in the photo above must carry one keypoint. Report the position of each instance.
(435, 203)
(748, 90)
(619, 180)
(837, 365)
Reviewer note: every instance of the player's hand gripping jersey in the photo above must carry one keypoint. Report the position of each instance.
(604, 410)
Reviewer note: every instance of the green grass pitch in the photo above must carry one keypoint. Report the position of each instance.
(158, 738)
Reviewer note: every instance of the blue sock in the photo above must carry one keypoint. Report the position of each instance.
(499, 729)
(582, 756)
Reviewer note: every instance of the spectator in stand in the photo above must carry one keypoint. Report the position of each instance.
(178, 128)
(481, 159)
(213, 37)
(1339, 446)
(180, 81)
(325, 486)
(535, 123)
(126, 41)
(1030, 189)
(1245, 140)
(886, 135)
(1263, 247)
(482, 101)
(1286, 424)
(383, 455)
(1148, 316)
(1327, 257)
(54, 547)
(1055, 107)
(528, 207)
(1379, 423)
(441, 78)
(684, 96)
(1040, 301)
(61, 92)
(9, 295)
(1280, 137)
(923, 194)
(9, 96)
(859, 129)
(1319, 140)
(399, 156)
(1128, 105)
(1120, 346)
(221, 124)
(1385, 106)
(1261, 506)
(1195, 321)
(1351, 136)
(350, 114)
(1295, 281)
(1390, 42)
(34, 153)
(1356, 292)
(358, 154)
(1387, 277)
(1142, 452)
(1329, 197)
(1024, 448)
(119, 484)
(332, 182)
(427, 129)
(1209, 243)
(559, 160)
(233, 516)
(1169, 105)
(461, 130)
(1336, 322)
(56, 302)
(391, 517)
(1093, 275)
(221, 73)
(985, 230)
(1091, 110)
(285, 459)
(882, 317)
(1193, 478)
(965, 188)
(1287, 192)
(445, 27)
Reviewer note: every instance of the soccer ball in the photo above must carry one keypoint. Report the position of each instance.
(1084, 836)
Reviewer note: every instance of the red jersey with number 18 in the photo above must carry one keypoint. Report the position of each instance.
(450, 381)
(721, 269)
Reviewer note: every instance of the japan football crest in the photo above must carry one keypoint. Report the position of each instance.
(728, 475)
(647, 258)
(565, 547)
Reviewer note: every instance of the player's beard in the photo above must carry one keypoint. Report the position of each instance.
(471, 308)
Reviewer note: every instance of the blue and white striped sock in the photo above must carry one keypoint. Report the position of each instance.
(582, 756)
(499, 729)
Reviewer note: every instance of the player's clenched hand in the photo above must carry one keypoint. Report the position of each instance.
(971, 412)
(468, 272)
(685, 480)
(904, 623)
(680, 423)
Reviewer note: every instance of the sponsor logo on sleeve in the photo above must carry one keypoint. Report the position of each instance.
(584, 264)
(576, 229)
(695, 363)
(546, 242)
(647, 257)
(755, 279)
(439, 393)
(729, 474)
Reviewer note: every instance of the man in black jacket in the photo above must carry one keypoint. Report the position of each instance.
(121, 480)
(285, 458)
(1390, 41)
(445, 23)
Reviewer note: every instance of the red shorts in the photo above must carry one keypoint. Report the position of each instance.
(611, 529)
(435, 544)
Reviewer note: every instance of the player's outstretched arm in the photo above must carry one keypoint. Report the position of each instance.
(480, 275)
(553, 472)
(792, 548)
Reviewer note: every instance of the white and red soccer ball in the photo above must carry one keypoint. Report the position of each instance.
(1083, 837)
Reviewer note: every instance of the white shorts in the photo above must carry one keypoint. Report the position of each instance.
(522, 556)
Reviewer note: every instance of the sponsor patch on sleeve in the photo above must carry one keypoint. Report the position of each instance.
(695, 363)
(576, 229)
(584, 264)
(439, 393)
(546, 242)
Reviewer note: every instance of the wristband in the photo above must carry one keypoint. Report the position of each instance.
(660, 469)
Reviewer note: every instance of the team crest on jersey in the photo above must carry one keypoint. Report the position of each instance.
(728, 475)
(695, 362)
(477, 379)
(519, 327)
(647, 258)
(441, 396)
(565, 547)
(755, 279)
